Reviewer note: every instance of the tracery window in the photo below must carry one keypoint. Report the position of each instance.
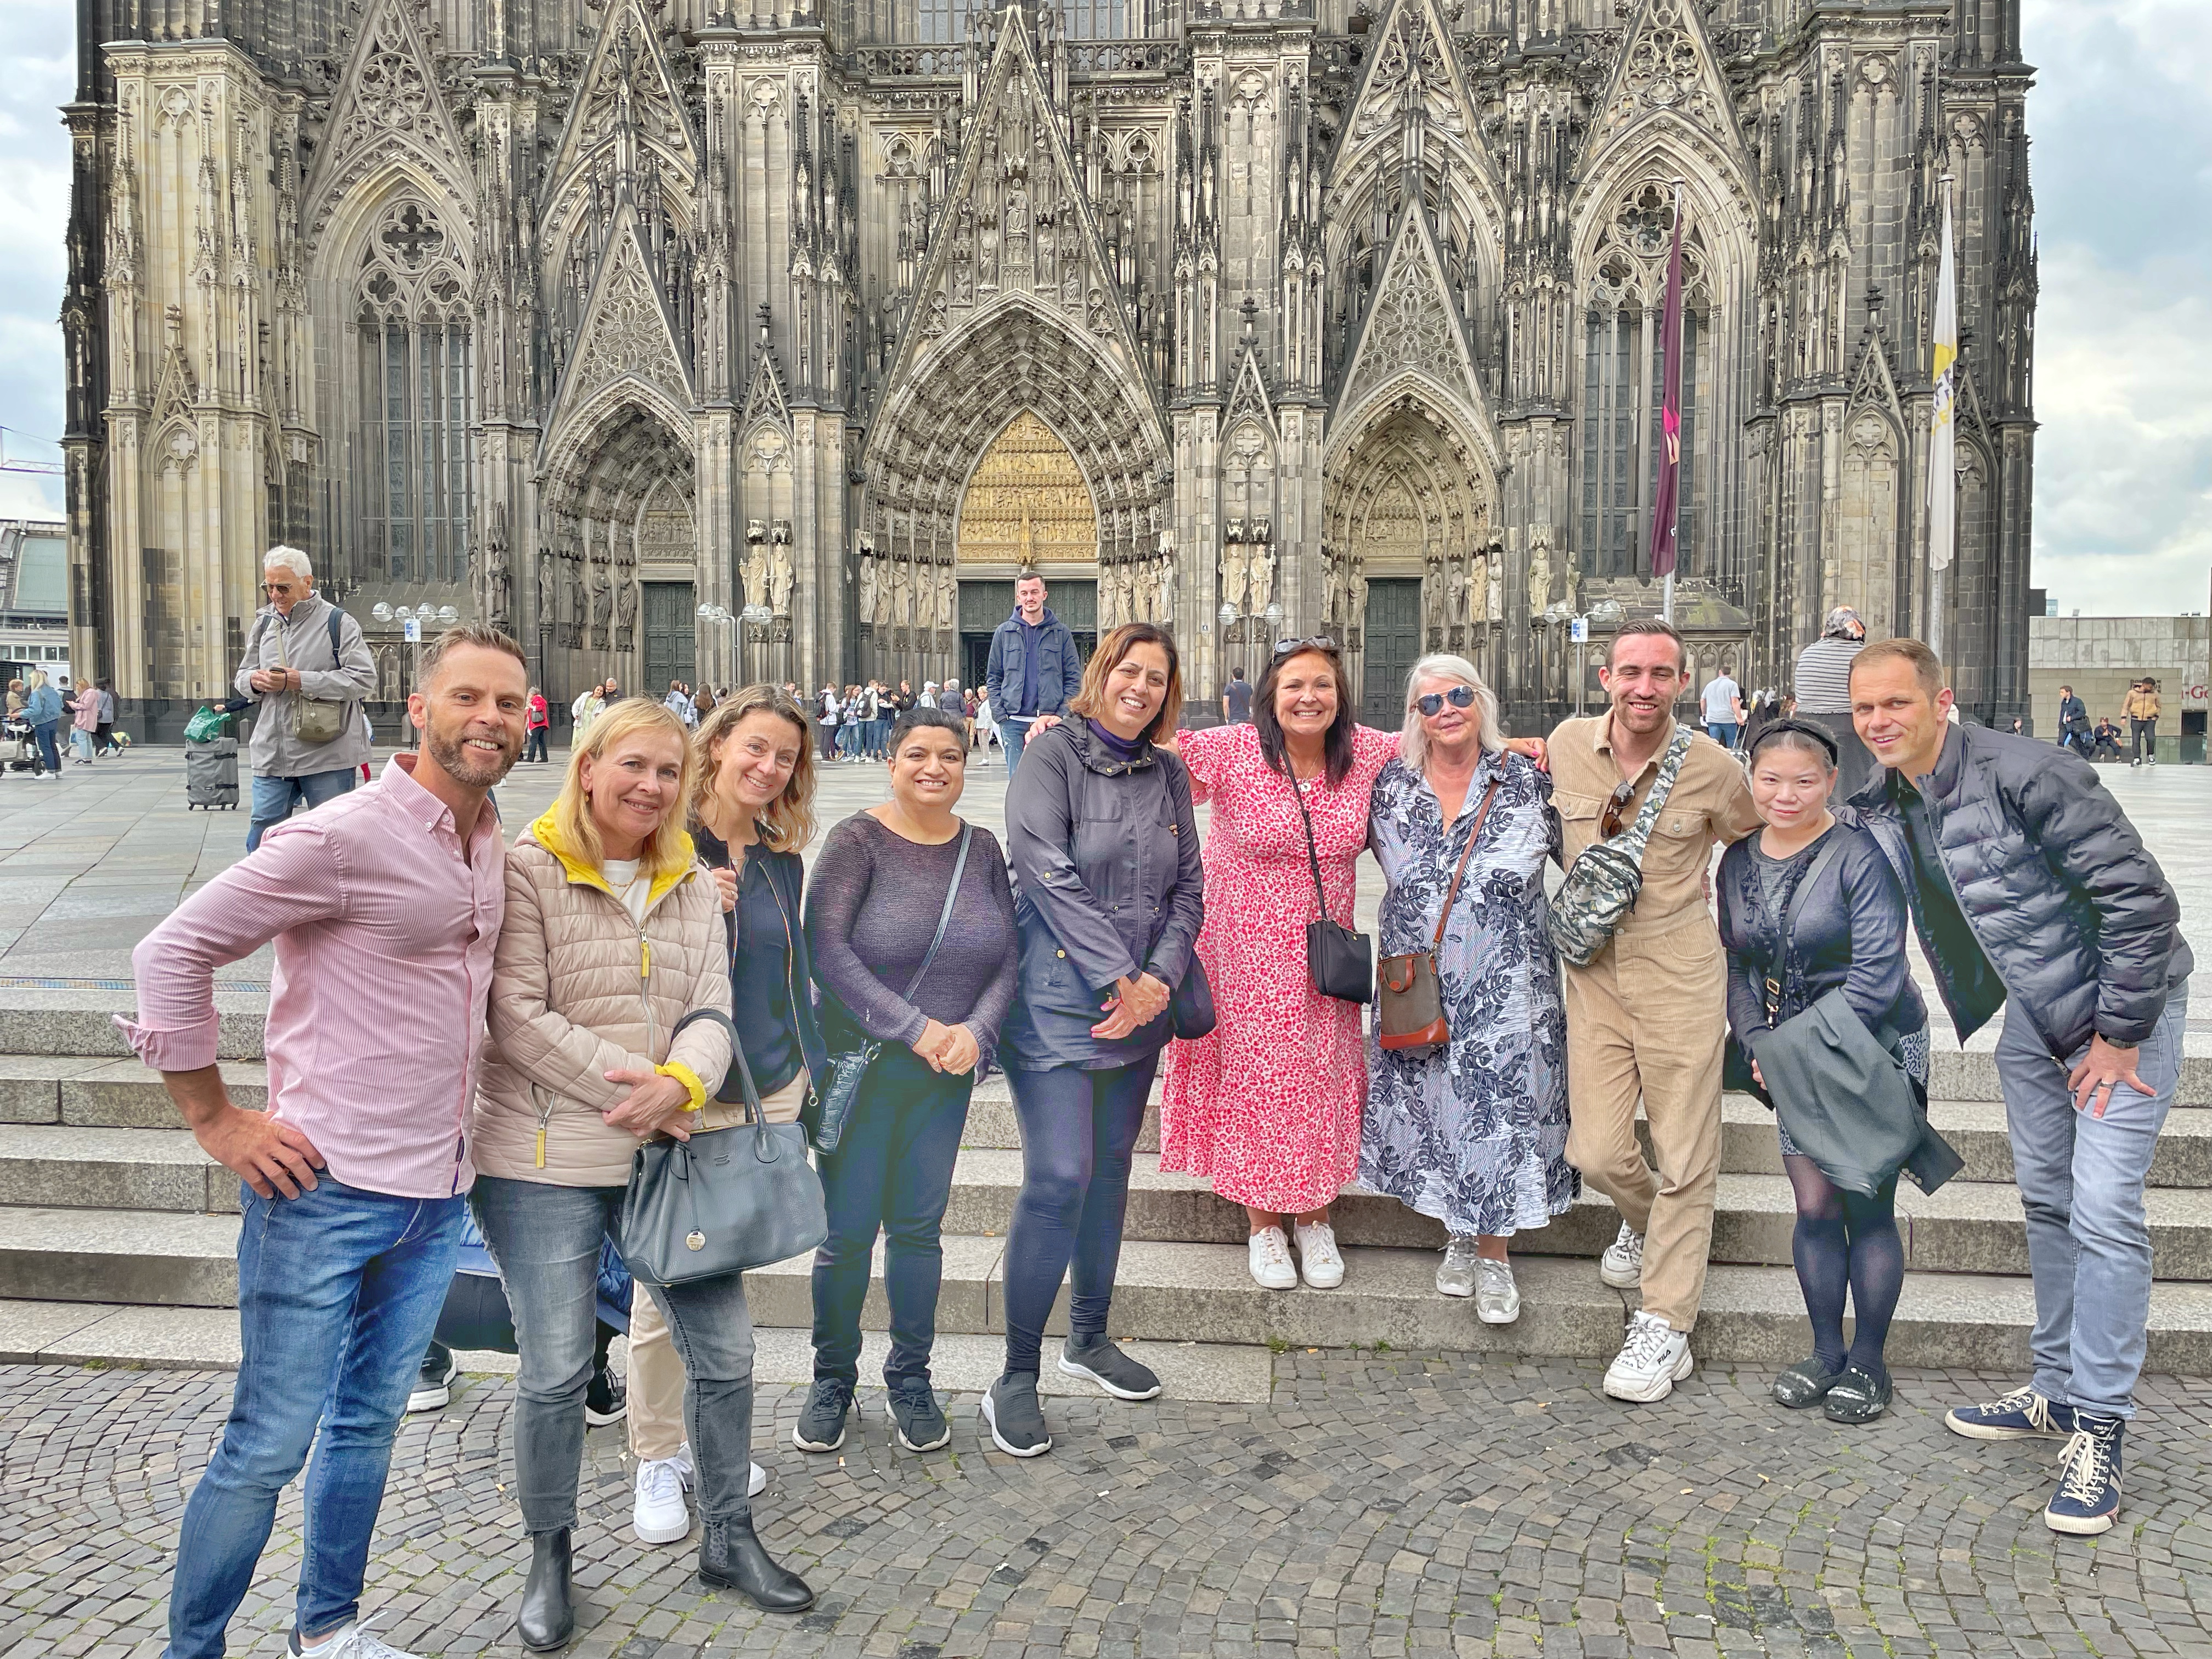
(411, 454)
(1622, 390)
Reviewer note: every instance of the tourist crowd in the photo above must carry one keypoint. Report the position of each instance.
(648, 965)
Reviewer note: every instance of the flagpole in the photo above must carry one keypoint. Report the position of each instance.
(1942, 434)
(1673, 362)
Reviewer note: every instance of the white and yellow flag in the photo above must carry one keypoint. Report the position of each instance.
(1943, 426)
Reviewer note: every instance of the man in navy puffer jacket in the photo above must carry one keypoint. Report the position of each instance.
(2030, 888)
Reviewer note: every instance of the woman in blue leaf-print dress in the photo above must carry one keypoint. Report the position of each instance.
(1473, 1133)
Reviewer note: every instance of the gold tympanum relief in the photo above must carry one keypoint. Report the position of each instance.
(1393, 539)
(1027, 502)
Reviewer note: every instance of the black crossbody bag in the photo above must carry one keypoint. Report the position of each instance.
(1341, 961)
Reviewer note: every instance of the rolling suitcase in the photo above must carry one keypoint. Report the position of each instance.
(211, 773)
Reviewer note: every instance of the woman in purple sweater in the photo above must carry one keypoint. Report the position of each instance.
(879, 885)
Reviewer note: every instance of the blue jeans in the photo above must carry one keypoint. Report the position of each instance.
(50, 752)
(1723, 732)
(546, 1241)
(1079, 1134)
(338, 1292)
(1013, 733)
(274, 797)
(2081, 1184)
(892, 1173)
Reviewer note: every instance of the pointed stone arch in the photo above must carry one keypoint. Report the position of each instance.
(387, 117)
(627, 335)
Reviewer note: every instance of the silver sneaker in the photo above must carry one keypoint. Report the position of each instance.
(349, 1642)
(1622, 1264)
(1497, 1298)
(1456, 1276)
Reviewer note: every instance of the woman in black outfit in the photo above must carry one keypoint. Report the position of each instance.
(1110, 893)
(1846, 918)
(880, 884)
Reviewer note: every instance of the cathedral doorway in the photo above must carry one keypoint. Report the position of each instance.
(1393, 645)
(669, 629)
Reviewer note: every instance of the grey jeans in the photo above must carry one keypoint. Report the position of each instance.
(2088, 1237)
(546, 1240)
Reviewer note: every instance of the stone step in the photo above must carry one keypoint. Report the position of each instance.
(1753, 1315)
(157, 1170)
(88, 1093)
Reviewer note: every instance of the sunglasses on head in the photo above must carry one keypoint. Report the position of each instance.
(1291, 647)
(1608, 825)
(1431, 704)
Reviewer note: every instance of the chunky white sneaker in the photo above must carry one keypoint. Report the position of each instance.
(1318, 1255)
(1622, 1264)
(1654, 1359)
(1456, 1276)
(660, 1516)
(1272, 1267)
(1497, 1298)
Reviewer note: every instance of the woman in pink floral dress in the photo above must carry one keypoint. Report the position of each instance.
(1268, 1107)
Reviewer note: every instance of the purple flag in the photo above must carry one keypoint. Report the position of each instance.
(1670, 411)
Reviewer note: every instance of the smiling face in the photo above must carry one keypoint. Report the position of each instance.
(1451, 729)
(1136, 686)
(1896, 718)
(472, 712)
(1029, 599)
(1791, 782)
(929, 769)
(285, 587)
(754, 762)
(1306, 697)
(632, 786)
(1642, 679)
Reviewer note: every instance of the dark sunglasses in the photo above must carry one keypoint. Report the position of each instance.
(1291, 647)
(1431, 704)
(1608, 825)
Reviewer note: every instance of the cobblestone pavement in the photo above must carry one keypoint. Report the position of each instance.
(1383, 1505)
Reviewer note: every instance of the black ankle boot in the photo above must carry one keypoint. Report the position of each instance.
(548, 1617)
(731, 1557)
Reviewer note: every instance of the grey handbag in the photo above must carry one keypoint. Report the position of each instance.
(1600, 890)
(847, 1069)
(724, 1201)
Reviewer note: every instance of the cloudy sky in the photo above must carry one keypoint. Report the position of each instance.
(2121, 120)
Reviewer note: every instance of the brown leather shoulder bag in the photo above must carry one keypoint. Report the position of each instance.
(1411, 1016)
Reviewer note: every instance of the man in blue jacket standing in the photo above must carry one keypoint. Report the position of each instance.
(2031, 891)
(1033, 670)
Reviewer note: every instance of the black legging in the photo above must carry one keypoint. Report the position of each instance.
(1079, 1134)
(1846, 1243)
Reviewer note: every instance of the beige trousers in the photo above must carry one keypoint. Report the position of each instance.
(656, 1370)
(1649, 1018)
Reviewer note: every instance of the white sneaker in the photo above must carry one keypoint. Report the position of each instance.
(1622, 1264)
(660, 1516)
(1271, 1261)
(1496, 1298)
(1318, 1255)
(349, 1642)
(757, 1482)
(1456, 1276)
(1654, 1359)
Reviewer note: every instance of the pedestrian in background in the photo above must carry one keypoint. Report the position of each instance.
(882, 881)
(1033, 669)
(84, 721)
(2073, 722)
(541, 726)
(1109, 891)
(105, 733)
(1823, 694)
(1474, 1131)
(2032, 892)
(751, 810)
(302, 656)
(388, 903)
(2140, 713)
(42, 707)
(1237, 699)
(1647, 1017)
(1722, 707)
(1809, 905)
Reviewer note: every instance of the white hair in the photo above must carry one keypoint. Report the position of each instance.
(281, 557)
(1413, 746)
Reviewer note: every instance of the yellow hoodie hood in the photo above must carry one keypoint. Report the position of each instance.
(547, 834)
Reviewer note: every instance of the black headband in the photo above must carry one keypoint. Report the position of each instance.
(1820, 735)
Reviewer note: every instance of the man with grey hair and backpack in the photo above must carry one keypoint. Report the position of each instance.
(308, 670)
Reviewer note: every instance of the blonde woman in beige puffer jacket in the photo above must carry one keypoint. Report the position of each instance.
(613, 934)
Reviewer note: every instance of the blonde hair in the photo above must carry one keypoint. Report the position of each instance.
(1413, 745)
(668, 848)
(790, 816)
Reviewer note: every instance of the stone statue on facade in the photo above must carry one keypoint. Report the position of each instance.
(499, 573)
(780, 575)
(1477, 606)
(757, 582)
(1235, 567)
(1539, 571)
(1262, 575)
(625, 614)
(866, 577)
(948, 594)
(545, 592)
(602, 609)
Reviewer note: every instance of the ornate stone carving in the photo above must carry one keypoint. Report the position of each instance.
(628, 332)
(1027, 502)
(626, 614)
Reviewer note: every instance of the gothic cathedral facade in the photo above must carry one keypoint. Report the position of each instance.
(733, 339)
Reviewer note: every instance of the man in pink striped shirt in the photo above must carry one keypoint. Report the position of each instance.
(385, 906)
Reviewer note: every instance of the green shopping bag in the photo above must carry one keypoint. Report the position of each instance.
(205, 726)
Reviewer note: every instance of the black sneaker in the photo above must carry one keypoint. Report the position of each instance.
(1110, 1369)
(821, 1425)
(914, 1409)
(607, 1400)
(1015, 1419)
(434, 1386)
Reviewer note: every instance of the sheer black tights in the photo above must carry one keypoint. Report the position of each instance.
(1846, 1243)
